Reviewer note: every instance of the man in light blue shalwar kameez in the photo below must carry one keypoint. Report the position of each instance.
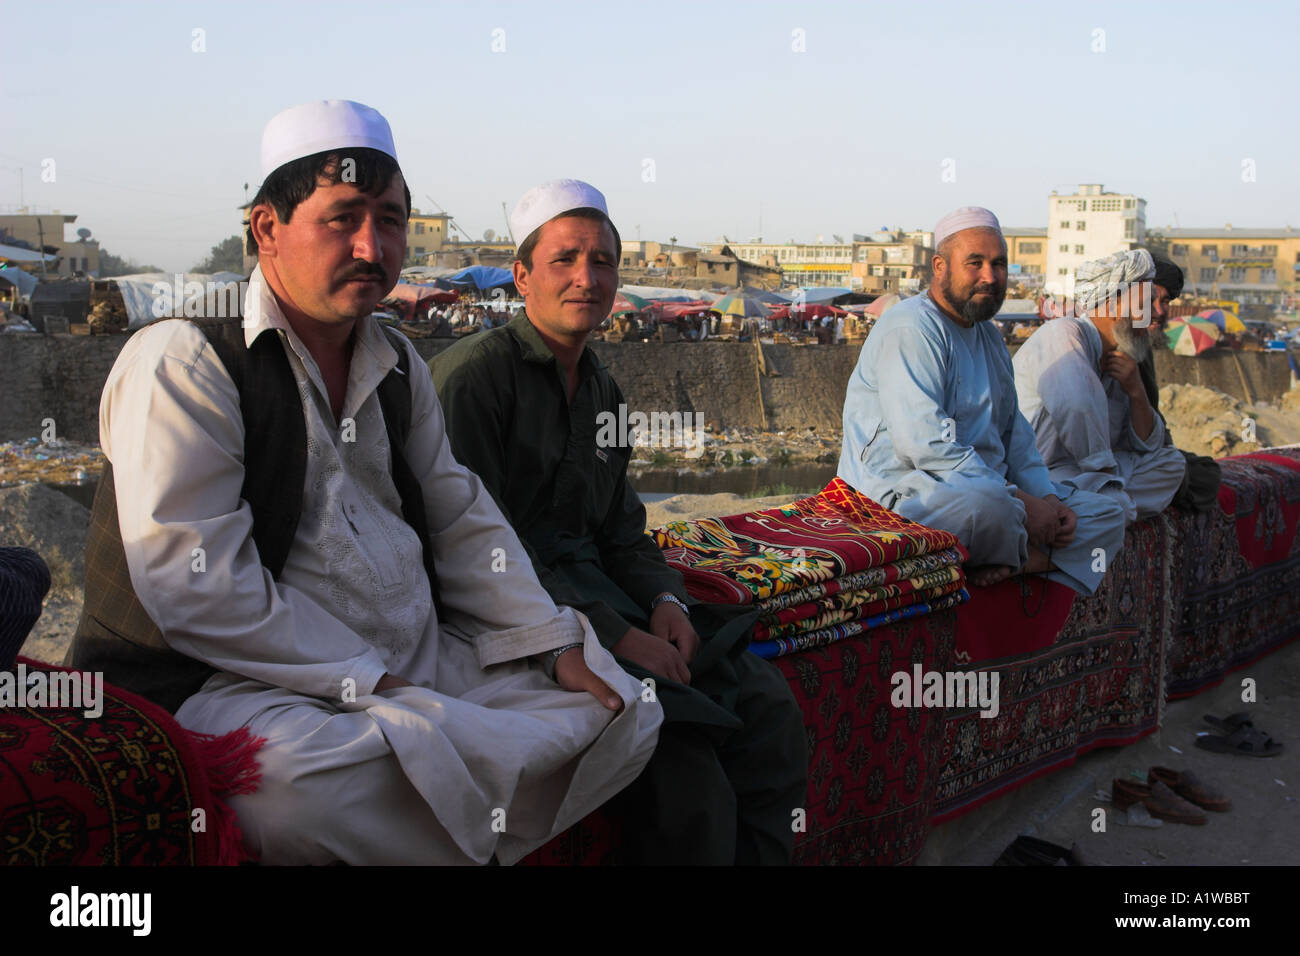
(933, 431)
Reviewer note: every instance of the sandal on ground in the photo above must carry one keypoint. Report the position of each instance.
(1231, 722)
(1191, 788)
(1245, 741)
(1161, 802)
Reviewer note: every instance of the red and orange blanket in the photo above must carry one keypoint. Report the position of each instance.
(820, 569)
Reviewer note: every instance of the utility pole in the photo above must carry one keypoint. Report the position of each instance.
(40, 229)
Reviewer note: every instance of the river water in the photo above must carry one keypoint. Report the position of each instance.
(656, 484)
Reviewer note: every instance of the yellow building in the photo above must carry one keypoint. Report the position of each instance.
(425, 234)
(892, 262)
(1258, 267)
(1026, 254)
(46, 229)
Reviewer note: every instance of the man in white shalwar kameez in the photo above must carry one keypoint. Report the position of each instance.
(396, 731)
(932, 429)
(1079, 386)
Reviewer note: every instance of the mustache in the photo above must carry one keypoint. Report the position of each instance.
(363, 270)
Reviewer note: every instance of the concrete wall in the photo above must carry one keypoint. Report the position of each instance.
(61, 377)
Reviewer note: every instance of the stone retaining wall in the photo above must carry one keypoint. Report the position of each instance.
(61, 376)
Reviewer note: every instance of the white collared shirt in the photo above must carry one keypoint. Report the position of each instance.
(353, 601)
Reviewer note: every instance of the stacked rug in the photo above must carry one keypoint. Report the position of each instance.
(820, 569)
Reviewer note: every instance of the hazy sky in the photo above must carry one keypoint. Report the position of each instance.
(694, 118)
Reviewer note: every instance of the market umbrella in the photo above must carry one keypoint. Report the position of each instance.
(878, 306)
(480, 277)
(675, 310)
(741, 306)
(1191, 336)
(627, 302)
(808, 310)
(1226, 321)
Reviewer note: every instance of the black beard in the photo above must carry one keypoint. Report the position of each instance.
(972, 311)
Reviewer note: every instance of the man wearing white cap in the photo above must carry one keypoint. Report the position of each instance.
(296, 552)
(933, 431)
(1080, 388)
(524, 407)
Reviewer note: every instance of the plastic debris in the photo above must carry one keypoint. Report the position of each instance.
(57, 461)
(1138, 816)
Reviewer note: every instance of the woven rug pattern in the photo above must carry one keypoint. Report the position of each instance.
(1242, 567)
(130, 787)
(1097, 681)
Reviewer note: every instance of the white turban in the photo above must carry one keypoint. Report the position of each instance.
(967, 217)
(543, 203)
(1100, 279)
(323, 125)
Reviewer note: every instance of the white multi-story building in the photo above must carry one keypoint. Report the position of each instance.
(1087, 225)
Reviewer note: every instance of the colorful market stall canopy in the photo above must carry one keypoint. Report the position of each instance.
(1191, 336)
(1226, 321)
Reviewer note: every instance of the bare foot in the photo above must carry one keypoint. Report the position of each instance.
(987, 575)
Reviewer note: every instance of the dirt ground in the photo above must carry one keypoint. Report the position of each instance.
(1261, 829)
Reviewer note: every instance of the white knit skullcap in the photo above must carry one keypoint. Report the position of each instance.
(323, 125)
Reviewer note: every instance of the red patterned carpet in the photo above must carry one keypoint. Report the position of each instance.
(1242, 570)
(1076, 675)
(130, 787)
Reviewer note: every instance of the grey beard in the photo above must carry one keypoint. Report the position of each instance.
(1135, 343)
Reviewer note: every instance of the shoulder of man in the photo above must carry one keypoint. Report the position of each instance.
(1064, 332)
(481, 352)
(910, 318)
(179, 342)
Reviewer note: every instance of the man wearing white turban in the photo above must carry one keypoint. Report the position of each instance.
(932, 428)
(1080, 387)
(524, 405)
(294, 550)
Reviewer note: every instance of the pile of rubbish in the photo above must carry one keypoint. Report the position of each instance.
(56, 461)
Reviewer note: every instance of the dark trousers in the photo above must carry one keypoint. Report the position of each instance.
(718, 796)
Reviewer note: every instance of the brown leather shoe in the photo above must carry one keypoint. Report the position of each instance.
(1161, 802)
(1191, 788)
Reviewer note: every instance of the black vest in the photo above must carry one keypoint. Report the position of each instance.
(115, 635)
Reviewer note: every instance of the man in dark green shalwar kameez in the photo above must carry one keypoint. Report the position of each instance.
(525, 405)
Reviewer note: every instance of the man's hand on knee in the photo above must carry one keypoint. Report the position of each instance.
(653, 653)
(1044, 521)
(1066, 521)
(671, 623)
(572, 673)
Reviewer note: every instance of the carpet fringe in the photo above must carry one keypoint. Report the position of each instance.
(230, 763)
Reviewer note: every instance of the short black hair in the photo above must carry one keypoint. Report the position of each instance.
(371, 172)
(525, 251)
